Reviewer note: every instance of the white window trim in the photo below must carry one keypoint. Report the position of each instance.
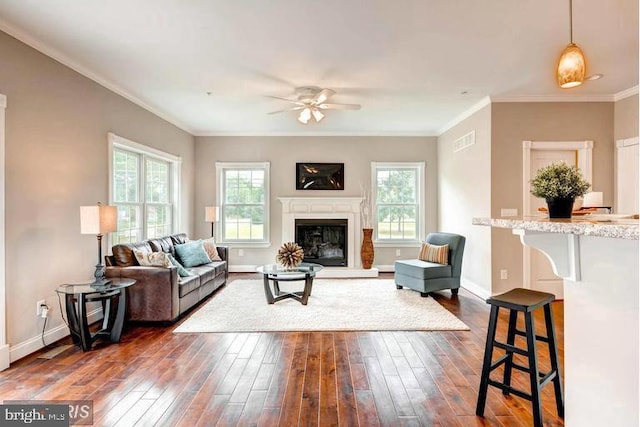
(389, 243)
(116, 141)
(220, 167)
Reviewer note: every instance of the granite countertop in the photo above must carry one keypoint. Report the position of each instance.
(601, 226)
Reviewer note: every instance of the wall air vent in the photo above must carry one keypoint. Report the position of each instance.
(464, 141)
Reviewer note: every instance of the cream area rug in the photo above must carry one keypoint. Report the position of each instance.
(334, 305)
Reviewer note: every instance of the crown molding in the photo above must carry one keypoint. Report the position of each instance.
(625, 93)
(101, 80)
(465, 115)
(553, 98)
(312, 133)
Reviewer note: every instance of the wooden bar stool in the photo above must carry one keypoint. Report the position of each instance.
(521, 300)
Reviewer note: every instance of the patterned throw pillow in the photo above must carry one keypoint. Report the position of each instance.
(152, 259)
(211, 250)
(182, 272)
(192, 253)
(434, 253)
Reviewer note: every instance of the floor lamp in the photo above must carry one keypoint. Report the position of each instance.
(211, 215)
(98, 220)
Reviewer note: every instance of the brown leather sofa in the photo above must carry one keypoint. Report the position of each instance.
(160, 294)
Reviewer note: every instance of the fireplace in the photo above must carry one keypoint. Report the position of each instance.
(324, 241)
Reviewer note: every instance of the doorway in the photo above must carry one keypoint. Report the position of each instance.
(537, 271)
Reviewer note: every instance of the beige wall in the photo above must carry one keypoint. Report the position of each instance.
(464, 192)
(356, 153)
(56, 160)
(513, 123)
(626, 118)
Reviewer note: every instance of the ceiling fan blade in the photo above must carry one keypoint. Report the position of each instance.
(322, 96)
(293, 101)
(340, 106)
(288, 109)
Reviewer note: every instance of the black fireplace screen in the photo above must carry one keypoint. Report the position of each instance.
(324, 241)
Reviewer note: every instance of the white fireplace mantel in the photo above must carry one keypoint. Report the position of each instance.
(328, 208)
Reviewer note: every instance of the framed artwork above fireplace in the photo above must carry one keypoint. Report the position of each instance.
(319, 176)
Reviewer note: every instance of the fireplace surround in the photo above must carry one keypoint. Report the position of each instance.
(345, 208)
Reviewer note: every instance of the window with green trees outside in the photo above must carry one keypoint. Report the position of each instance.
(144, 184)
(398, 201)
(244, 196)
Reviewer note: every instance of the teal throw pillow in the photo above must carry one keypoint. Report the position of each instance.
(182, 272)
(192, 253)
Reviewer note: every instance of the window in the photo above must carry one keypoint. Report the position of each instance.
(243, 197)
(144, 186)
(398, 200)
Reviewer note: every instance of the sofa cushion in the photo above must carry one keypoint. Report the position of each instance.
(422, 269)
(188, 284)
(192, 253)
(152, 259)
(124, 256)
(206, 272)
(162, 244)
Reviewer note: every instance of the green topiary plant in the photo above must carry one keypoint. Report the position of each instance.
(559, 180)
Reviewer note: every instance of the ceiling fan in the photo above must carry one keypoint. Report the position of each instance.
(311, 100)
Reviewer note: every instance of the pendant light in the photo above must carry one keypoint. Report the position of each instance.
(572, 66)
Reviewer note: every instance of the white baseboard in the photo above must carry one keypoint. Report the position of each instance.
(54, 334)
(242, 268)
(475, 289)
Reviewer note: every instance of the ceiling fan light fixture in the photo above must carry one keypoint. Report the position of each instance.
(317, 115)
(572, 65)
(304, 116)
(311, 101)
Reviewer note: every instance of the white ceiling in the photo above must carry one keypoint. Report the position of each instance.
(414, 65)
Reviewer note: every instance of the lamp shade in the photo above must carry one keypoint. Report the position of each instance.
(593, 200)
(98, 219)
(572, 67)
(211, 213)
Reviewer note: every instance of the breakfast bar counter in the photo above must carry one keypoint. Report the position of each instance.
(598, 260)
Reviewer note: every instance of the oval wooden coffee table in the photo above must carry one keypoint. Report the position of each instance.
(276, 273)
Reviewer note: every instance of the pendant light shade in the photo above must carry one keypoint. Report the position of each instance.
(572, 66)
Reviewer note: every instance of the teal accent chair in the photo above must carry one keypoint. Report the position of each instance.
(425, 277)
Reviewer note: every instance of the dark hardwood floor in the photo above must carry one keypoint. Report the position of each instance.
(154, 377)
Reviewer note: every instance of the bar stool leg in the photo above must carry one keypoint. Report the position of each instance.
(511, 340)
(553, 355)
(486, 364)
(536, 406)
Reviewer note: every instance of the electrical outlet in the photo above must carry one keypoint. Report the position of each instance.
(397, 252)
(39, 306)
(503, 275)
(240, 252)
